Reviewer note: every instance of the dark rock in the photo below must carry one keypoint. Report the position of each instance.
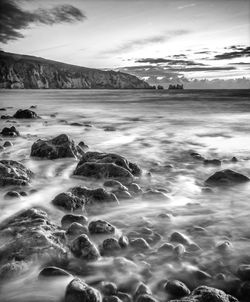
(76, 229)
(139, 243)
(11, 195)
(33, 106)
(83, 248)
(245, 290)
(166, 248)
(78, 291)
(180, 238)
(226, 177)
(197, 156)
(141, 290)
(92, 196)
(122, 195)
(123, 241)
(59, 147)
(109, 288)
(106, 165)
(52, 271)
(212, 162)
(234, 159)
(124, 296)
(13, 173)
(31, 234)
(3, 109)
(176, 289)
(110, 245)
(6, 117)
(23, 193)
(11, 131)
(68, 201)
(101, 227)
(111, 299)
(205, 293)
(26, 113)
(70, 218)
(244, 272)
(7, 144)
(179, 250)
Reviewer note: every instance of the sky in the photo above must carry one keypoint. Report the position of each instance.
(201, 43)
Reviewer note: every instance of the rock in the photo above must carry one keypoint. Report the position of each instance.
(134, 188)
(12, 269)
(226, 177)
(52, 271)
(141, 289)
(26, 113)
(76, 229)
(59, 147)
(14, 173)
(146, 298)
(12, 131)
(70, 218)
(111, 299)
(7, 144)
(245, 290)
(166, 248)
(154, 195)
(78, 291)
(139, 243)
(31, 234)
(212, 162)
(224, 247)
(244, 272)
(33, 106)
(3, 109)
(101, 227)
(124, 297)
(110, 245)
(106, 165)
(123, 241)
(115, 184)
(83, 248)
(94, 196)
(234, 159)
(11, 195)
(122, 195)
(197, 156)
(180, 238)
(6, 117)
(179, 250)
(205, 293)
(109, 288)
(176, 289)
(68, 202)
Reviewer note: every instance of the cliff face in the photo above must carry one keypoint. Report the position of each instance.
(21, 71)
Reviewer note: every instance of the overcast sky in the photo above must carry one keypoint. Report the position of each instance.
(161, 40)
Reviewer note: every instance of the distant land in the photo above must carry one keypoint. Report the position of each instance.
(29, 72)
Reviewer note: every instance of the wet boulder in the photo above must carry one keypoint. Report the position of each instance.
(76, 229)
(59, 147)
(106, 165)
(10, 131)
(176, 289)
(101, 227)
(14, 173)
(94, 196)
(12, 195)
(83, 248)
(110, 245)
(212, 162)
(52, 271)
(180, 238)
(70, 218)
(139, 243)
(108, 288)
(7, 144)
(31, 234)
(68, 202)
(226, 177)
(141, 289)
(79, 291)
(25, 114)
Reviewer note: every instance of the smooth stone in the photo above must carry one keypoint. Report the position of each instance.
(11, 195)
(176, 289)
(224, 247)
(122, 195)
(179, 250)
(115, 184)
(139, 243)
(101, 227)
(108, 288)
(197, 156)
(70, 218)
(166, 248)
(76, 229)
(110, 244)
(52, 271)
(209, 294)
(234, 159)
(79, 291)
(226, 177)
(134, 188)
(124, 296)
(12, 131)
(180, 238)
(7, 144)
(141, 290)
(212, 162)
(83, 248)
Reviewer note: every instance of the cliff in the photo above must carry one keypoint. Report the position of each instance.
(22, 71)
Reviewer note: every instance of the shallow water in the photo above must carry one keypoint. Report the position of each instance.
(153, 129)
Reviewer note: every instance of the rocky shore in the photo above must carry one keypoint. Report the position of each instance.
(79, 246)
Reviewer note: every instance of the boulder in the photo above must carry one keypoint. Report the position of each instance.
(176, 289)
(7, 144)
(52, 271)
(226, 177)
(76, 229)
(68, 202)
(106, 165)
(108, 288)
(70, 218)
(92, 196)
(11, 131)
(139, 243)
(110, 245)
(26, 113)
(14, 173)
(141, 289)
(101, 227)
(31, 234)
(83, 248)
(180, 238)
(12, 195)
(79, 291)
(59, 147)
(212, 162)
(123, 241)
(115, 185)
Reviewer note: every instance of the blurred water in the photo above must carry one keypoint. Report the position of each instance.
(154, 129)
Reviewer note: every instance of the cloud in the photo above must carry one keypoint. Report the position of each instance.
(239, 52)
(134, 44)
(13, 18)
(169, 61)
(186, 6)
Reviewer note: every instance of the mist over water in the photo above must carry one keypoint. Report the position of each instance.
(158, 130)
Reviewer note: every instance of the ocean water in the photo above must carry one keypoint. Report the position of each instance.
(158, 130)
